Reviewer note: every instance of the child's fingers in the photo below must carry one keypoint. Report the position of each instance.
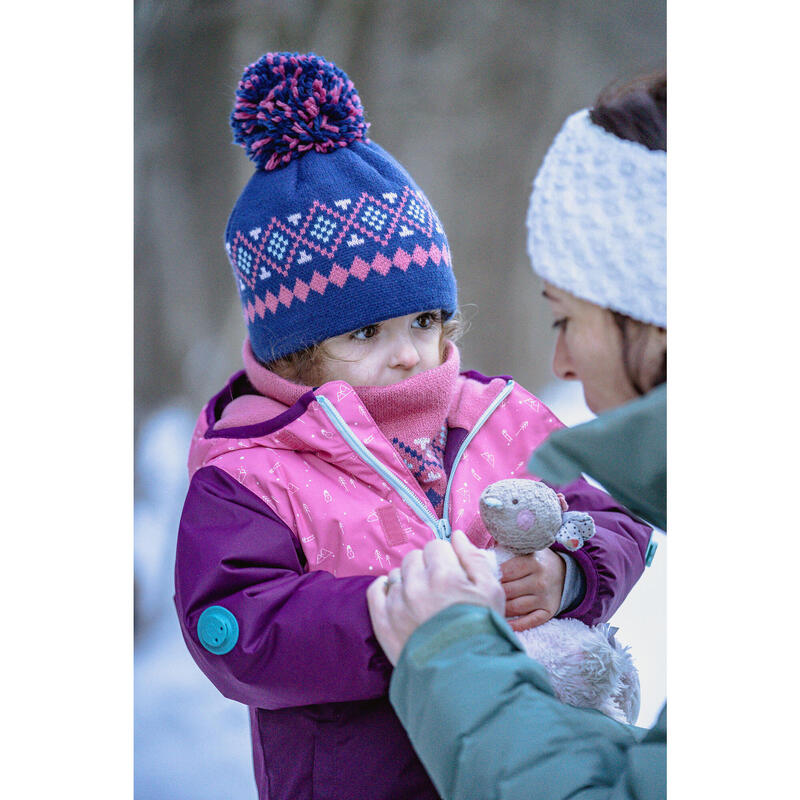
(528, 585)
(519, 567)
(532, 620)
(524, 604)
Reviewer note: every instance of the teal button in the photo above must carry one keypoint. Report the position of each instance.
(217, 630)
(652, 546)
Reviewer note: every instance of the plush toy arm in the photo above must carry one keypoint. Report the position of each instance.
(575, 529)
(582, 521)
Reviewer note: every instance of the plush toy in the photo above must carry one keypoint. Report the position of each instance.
(586, 665)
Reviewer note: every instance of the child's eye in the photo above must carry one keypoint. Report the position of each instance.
(561, 324)
(367, 332)
(427, 320)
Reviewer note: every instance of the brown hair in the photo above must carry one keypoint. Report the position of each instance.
(636, 110)
(305, 366)
(642, 375)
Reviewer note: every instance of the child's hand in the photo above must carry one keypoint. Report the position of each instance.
(533, 588)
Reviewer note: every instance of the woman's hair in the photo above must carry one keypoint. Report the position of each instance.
(637, 111)
(642, 374)
(306, 366)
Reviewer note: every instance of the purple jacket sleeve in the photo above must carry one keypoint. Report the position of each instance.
(304, 637)
(613, 559)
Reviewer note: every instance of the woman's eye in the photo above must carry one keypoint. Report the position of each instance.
(561, 324)
(367, 332)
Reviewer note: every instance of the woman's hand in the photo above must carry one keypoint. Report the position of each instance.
(428, 581)
(533, 587)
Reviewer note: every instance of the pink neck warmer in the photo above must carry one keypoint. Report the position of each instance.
(412, 414)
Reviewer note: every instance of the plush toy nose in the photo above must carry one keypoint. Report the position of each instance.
(492, 502)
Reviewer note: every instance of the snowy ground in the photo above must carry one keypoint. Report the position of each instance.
(190, 742)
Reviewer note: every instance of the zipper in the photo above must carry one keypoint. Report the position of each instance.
(470, 436)
(440, 527)
(363, 452)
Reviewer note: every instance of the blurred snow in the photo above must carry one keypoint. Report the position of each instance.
(642, 618)
(565, 400)
(190, 742)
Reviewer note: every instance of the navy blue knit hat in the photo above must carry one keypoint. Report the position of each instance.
(331, 233)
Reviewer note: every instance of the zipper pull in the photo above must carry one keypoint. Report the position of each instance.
(444, 529)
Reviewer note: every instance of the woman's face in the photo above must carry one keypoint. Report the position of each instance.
(589, 350)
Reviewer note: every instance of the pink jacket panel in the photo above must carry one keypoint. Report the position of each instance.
(348, 519)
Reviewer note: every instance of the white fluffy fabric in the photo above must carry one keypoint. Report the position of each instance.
(587, 666)
(597, 220)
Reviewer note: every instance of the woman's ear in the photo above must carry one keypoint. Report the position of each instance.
(655, 356)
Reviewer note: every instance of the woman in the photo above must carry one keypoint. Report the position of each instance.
(480, 714)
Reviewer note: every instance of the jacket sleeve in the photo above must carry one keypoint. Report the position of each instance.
(483, 720)
(613, 559)
(304, 637)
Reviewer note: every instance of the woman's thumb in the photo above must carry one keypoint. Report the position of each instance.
(476, 563)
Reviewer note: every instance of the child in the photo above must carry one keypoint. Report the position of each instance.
(349, 439)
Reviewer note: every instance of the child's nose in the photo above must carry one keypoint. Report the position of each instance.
(404, 353)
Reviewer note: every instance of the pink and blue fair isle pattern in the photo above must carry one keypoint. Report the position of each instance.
(425, 459)
(331, 233)
(301, 254)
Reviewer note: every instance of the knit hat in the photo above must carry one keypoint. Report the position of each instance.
(597, 220)
(331, 233)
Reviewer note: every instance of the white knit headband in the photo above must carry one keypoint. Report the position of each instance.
(597, 220)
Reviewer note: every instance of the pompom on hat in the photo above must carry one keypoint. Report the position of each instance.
(331, 233)
(597, 220)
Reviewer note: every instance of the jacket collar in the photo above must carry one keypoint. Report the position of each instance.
(624, 449)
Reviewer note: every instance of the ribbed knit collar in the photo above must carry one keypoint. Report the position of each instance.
(424, 398)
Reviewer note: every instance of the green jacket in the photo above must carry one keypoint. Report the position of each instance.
(625, 449)
(481, 714)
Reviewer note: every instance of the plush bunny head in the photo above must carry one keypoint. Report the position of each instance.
(526, 515)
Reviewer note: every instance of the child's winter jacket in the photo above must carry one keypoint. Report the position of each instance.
(286, 523)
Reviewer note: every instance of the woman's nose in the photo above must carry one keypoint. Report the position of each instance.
(562, 365)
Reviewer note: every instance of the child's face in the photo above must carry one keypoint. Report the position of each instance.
(386, 352)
